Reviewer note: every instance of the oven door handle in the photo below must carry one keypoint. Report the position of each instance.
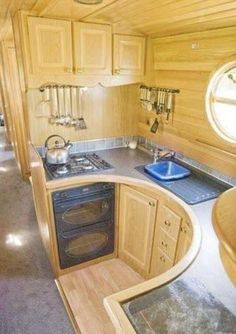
(66, 203)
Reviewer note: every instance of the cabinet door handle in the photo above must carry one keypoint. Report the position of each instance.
(183, 229)
(117, 71)
(164, 244)
(167, 223)
(162, 258)
(69, 70)
(151, 204)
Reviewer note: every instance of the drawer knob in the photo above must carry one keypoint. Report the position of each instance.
(167, 223)
(162, 258)
(164, 243)
(151, 204)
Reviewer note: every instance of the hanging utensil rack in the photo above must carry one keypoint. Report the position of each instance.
(65, 105)
(158, 99)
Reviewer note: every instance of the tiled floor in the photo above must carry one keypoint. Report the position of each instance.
(29, 300)
(180, 307)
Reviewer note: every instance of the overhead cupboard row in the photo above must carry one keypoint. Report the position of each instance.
(65, 48)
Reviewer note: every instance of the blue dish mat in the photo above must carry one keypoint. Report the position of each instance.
(194, 189)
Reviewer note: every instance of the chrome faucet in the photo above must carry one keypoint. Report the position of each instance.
(159, 154)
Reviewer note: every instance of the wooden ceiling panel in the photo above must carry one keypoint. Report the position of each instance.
(155, 18)
(68, 8)
(7, 9)
(168, 17)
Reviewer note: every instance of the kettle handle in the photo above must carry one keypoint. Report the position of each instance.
(46, 142)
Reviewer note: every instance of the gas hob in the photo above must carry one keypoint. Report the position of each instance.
(78, 164)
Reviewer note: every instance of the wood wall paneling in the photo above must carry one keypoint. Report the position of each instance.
(5, 101)
(15, 108)
(178, 64)
(200, 51)
(108, 112)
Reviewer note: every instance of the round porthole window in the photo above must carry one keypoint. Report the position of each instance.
(221, 101)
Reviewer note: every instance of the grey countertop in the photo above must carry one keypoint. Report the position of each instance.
(207, 270)
(124, 161)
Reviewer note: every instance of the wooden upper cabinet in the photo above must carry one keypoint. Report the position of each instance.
(92, 48)
(128, 55)
(50, 45)
(136, 227)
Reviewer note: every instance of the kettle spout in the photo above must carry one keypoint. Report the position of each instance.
(68, 145)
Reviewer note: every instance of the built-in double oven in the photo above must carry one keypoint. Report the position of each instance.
(84, 219)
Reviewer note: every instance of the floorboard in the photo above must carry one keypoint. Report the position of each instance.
(86, 288)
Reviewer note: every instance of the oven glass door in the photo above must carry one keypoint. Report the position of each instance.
(86, 244)
(91, 242)
(82, 212)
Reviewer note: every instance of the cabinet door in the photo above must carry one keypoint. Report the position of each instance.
(128, 55)
(50, 45)
(92, 48)
(164, 262)
(185, 240)
(136, 226)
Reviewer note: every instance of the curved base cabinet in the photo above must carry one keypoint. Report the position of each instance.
(157, 237)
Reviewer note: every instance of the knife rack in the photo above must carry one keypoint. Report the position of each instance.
(159, 100)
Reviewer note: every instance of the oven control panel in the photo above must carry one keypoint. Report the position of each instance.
(82, 191)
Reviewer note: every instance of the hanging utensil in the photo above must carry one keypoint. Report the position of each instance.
(154, 126)
(61, 105)
(73, 105)
(43, 108)
(67, 106)
(165, 100)
(81, 125)
(58, 115)
(53, 102)
(170, 103)
(157, 104)
(162, 102)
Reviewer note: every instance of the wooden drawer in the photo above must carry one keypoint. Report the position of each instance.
(167, 244)
(164, 262)
(170, 222)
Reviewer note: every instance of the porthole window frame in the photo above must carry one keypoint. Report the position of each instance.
(213, 81)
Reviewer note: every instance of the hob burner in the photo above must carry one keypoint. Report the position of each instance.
(79, 159)
(62, 170)
(78, 164)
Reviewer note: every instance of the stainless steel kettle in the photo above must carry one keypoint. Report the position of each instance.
(57, 154)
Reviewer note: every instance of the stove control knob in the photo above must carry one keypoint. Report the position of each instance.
(107, 186)
(63, 195)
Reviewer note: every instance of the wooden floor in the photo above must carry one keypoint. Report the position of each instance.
(86, 288)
